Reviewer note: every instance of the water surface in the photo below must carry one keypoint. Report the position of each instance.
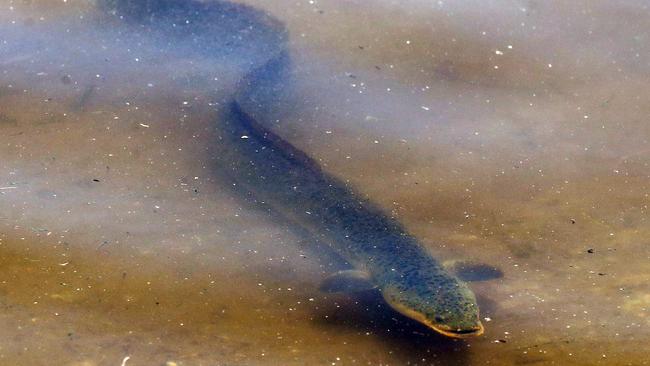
(511, 133)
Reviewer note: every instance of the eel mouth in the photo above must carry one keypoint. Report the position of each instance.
(459, 333)
(474, 331)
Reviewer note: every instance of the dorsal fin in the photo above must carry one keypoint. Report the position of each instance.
(263, 134)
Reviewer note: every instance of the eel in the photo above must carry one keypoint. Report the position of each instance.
(383, 255)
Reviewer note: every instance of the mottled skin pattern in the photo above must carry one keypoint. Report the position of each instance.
(411, 281)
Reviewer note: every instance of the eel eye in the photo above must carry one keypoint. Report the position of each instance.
(439, 319)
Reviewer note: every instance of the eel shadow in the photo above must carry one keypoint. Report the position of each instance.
(408, 340)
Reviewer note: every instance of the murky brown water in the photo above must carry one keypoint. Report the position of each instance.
(512, 133)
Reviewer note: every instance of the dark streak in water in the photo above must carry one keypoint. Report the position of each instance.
(83, 100)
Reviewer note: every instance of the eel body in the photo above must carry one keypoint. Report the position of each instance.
(382, 253)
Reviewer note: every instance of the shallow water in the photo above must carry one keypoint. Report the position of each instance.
(511, 133)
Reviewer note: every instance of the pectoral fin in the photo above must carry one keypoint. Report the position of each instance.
(348, 281)
(472, 271)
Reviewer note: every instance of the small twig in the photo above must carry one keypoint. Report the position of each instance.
(124, 360)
